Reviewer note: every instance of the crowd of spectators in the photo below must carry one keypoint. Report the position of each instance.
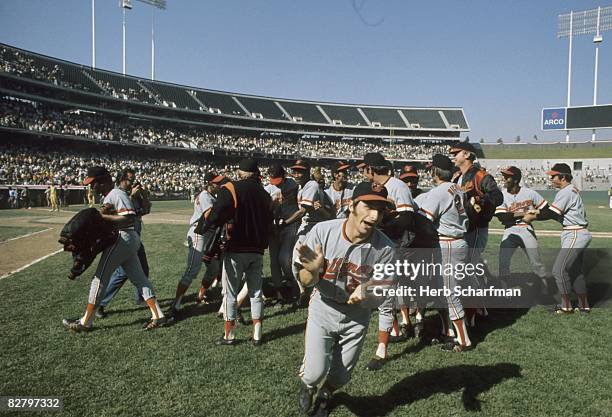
(52, 119)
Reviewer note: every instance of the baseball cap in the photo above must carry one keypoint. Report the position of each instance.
(408, 171)
(462, 146)
(374, 159)
(442, 162)
(213, 178)
(512, 171)
(340, 166)
(301, 164)
(560, 169)
(248, 165)
(277, 173)
(95, 173)
(369, 191)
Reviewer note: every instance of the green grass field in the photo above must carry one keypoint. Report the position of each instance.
(547, 151)
(526, 362)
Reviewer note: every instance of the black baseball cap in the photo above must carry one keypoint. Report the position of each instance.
(560, 169)
(375, 159)
(462, 146)
(213, 178)
(340, 167)
(248, 165)
(513, 172)
(408, 171)
(442, 162)
(369, 191)
(96, 173)
(301, 164)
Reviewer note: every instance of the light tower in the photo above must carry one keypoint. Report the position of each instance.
(586, 22)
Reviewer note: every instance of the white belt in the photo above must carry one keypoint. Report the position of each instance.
(575, 227)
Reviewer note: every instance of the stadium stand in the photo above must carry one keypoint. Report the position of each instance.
(215, 107)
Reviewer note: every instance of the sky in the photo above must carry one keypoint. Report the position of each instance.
(499, 60)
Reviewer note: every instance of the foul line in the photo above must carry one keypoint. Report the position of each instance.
(31, 263)
(29, 234)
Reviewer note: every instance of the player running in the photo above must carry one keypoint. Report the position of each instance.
(338, 259)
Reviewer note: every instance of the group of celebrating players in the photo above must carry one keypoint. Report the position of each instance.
(325, 242)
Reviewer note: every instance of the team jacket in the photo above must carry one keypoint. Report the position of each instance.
(486, 193)
(251, 212)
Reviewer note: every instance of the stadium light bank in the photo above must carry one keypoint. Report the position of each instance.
(593, 21)
(126, 5)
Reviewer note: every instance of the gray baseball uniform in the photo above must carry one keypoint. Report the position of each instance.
(122, 253)
(203, 203)
(519, 234)
(575, 238)
(399, 193)
(281, 243)
(335, 330)
(444, 207)
(307, 196)
(341, 200)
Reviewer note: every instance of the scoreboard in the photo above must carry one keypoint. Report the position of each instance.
(575, 118)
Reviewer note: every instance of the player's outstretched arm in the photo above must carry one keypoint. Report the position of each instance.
(311, 261)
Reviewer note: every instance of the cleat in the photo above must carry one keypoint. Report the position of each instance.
(321, 406)
(256, 342)
(305, 398)
(375, 364)
(455, 347)
(442, 339)
(76, 326)
(157, 323)
(101, 313)
(583, 310)
(222, 341)
(560, 311)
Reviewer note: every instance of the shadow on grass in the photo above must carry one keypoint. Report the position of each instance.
(497, 319)
(472, 379)
(285, 331)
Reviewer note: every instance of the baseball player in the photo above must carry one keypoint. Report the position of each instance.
(202, 205)
(91, 197)
(396, 226)
(482, 197)
(339, 190)
(283, 192)
(308, 215)
(411, 177)
(568, 209)
(122, 253)
(444, 208)
(518, 201)
(53, 198)
(126, 180)
(250, 206)
(338, 258)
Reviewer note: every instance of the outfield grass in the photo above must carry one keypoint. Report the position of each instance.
(525, 362)
(547, 151)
